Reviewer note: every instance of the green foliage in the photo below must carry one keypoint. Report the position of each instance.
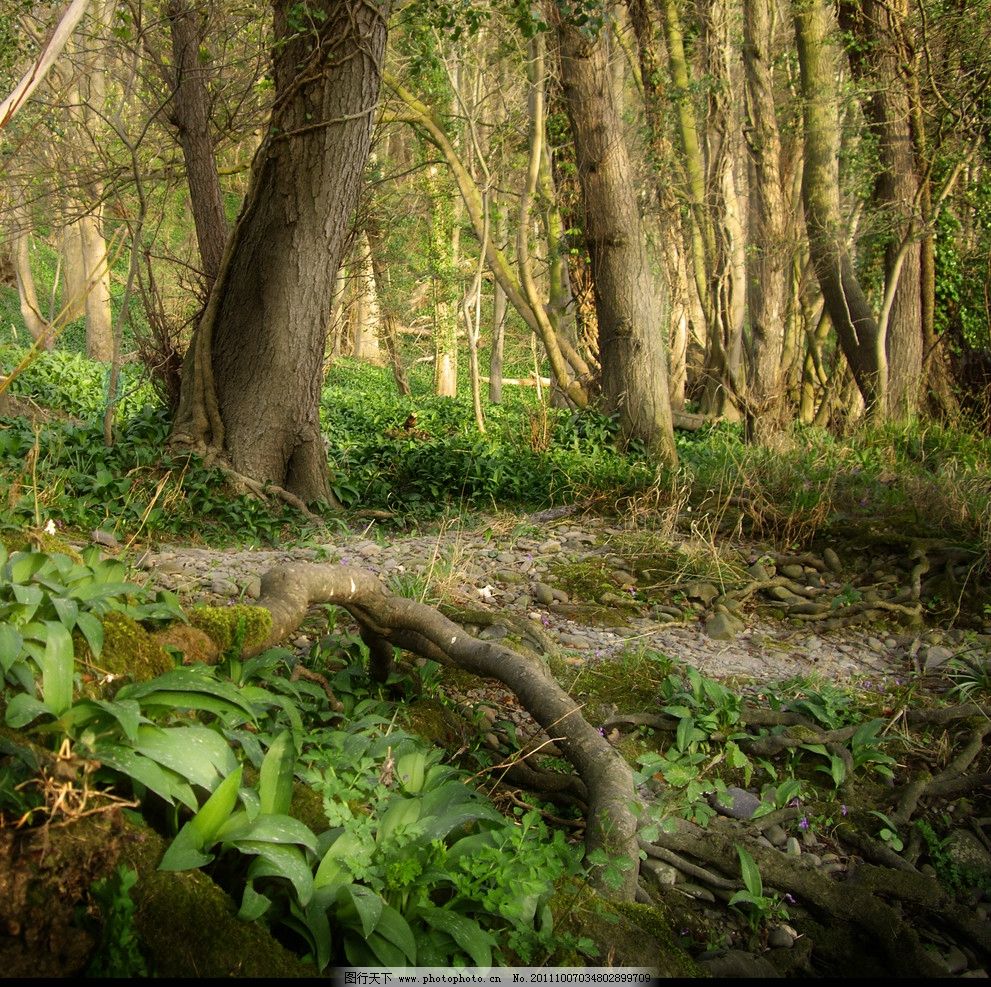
(444, 459)
(119, 952)
(759, 908)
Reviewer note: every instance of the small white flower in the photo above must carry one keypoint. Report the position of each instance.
(49, 527)
(485, 592)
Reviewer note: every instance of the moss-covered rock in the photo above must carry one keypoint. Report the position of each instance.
(629, 934)
(39, 540)
(129, 651)
(233, 629)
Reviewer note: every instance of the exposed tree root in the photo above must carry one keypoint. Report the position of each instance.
(389, 621)
(851, 911)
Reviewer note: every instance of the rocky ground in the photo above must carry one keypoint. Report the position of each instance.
(582, 581)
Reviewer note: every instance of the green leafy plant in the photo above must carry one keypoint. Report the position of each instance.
(759, 908)
(118, 953)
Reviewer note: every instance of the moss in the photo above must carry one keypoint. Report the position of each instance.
(586, 580)
(233, 628)
(128, 650)
(435, 722)
(628, 934)
(35, 540)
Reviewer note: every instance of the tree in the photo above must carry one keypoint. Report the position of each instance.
(253, 374)
(844, 298)
(629, 297)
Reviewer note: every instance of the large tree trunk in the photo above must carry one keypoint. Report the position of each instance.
(768, 275)
(366, 311)
(190, 113)
(19, 245)
(629, 298)
(845, 300)
(883, 59)
(252, 380)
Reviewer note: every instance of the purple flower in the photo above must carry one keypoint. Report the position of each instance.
(790, 899)
(843, 810)
(795, 803)
(803, 823)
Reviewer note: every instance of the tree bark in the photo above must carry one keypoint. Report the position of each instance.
(20, 255)
(629, 298)
(253, 376)
(883, 60)
(191, 117)
(366, 312)
(849, 310)
(768, 275)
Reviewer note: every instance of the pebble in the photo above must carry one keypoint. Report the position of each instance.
(832, 561)
(781, 937)
(662, 874)
(737, 803)
(795, 572)
(543, 594)
(792, 847)
(776, 835)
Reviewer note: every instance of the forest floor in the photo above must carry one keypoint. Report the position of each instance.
(594, 587)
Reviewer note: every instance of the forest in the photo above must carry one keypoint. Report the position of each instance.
(495, 483)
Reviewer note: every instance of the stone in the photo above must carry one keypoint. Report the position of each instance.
(792, 847)
(793, 571)
(549, 547)
(737, 803)
(543, 594)
(758, 571)
(955, 961)
(252, 586)
(937, 655)
(223, 587)
(965, 850)
(494, 632)
(736, 964)
(623, 579)
(783, 594)
(832, 561)
(560, 596)
(662, 874)
(506, 558)
(705, 592)
(722, 627)
(508, 576)
(574, 641)
(781, 937)
(776, 835)
(104, 538)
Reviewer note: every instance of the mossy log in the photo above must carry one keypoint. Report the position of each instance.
(388, 621)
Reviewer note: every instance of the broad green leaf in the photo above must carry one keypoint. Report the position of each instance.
(401, 812)
(276, 776)
(686, 726)
(253, 904)
(22, 709)
(144, 771)
(331, 869)
(11, 643)
(57, 668)
(368, 904)
(469, 846)
(395, 929)
(92, 630)
(467, 933)
(187, 850)
(410, 769)
(67, 610)
(193, 679)
(280, 860)
(127, 713)
(438, 827)
(23, 565)
(221, 708)
(314, 926)
(750, 873)
(198, 754)
(270, 828)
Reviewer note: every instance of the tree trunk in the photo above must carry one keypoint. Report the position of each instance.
(390, 319)
(191, 117)
(99, 320)
(366, 312)
(73, 272)
(629, 298)
(252, 380)
(883, 60)
(848, 308)
(769, 274)
(20, 255)
(498, 324)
